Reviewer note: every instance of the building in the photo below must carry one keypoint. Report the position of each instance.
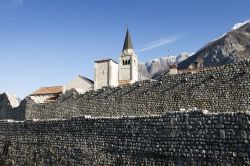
(128, 63)
(173, 69)
(80, 84)
(46, 94)
(106, 73)
(49, 94)
(109, 73)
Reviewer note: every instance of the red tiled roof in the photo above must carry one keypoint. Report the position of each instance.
(48, 90)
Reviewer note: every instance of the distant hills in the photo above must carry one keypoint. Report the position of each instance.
(232, 47)
(156, 67)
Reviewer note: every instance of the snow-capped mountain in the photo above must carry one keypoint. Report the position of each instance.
(238, 25)
(14, 101)
(155, 67)
(232, 47)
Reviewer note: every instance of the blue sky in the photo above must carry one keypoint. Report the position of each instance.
(49, 42)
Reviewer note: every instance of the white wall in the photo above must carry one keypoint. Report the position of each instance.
(134, 68)
(41, 98)
(113, 74)
(128, 72)
(79, 84)
(101, 74)
(106, 74)
(124, 70)
(173, 71)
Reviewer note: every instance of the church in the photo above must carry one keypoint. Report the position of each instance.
(107, 73)
(110, 73)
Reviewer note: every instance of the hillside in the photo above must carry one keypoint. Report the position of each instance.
(232, 47)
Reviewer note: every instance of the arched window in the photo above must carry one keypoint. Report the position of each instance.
(129, 62)
(123, 62)
(126, 62)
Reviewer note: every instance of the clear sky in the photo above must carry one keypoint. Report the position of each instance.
(49, 42)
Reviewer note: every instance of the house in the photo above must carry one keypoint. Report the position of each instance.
(173, 69)
(46, 94)
(80, 83)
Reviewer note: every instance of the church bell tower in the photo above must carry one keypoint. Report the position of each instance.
(128, 63)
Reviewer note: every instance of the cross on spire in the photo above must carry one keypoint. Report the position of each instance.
(127, 24)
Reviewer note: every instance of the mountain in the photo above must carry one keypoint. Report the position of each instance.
(232, 47)
(156, 67)
(14, 101)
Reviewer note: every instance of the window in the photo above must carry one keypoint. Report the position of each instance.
(126, 62)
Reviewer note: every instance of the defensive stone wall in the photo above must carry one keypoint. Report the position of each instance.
(174, 138)
(225, 88)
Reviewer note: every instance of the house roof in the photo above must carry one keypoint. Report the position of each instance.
(87, 79)
(104, 60)
(48, 90)
(174, 66)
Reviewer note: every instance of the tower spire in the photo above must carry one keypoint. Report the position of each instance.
(127, 42)
(128, 62)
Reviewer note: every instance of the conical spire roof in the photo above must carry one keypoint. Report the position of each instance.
(127, 42)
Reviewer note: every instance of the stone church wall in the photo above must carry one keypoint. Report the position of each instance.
(174, 138)
(225, 88)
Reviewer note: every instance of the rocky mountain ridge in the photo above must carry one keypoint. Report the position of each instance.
(156, 67)
(232, 47)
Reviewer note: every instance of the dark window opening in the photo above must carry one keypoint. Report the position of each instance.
(129, 62)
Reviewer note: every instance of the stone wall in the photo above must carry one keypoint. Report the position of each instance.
(175, 138)
(225, 88)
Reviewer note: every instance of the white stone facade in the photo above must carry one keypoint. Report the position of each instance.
(128, 66)
(173, 71)
(106, 73)
(41, 98)
(79, 83)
